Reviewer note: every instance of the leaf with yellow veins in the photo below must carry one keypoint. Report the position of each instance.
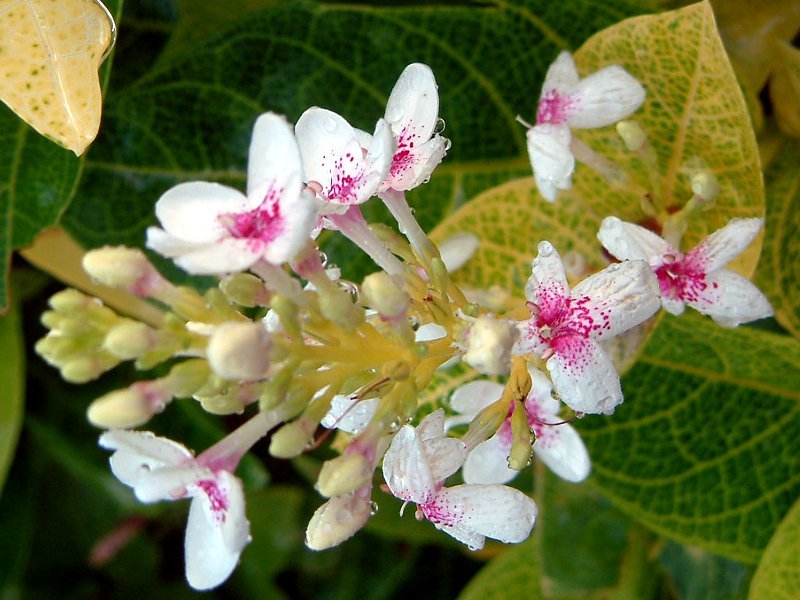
(696, 121)
(784, 89)
(51, 52)
(778, 573)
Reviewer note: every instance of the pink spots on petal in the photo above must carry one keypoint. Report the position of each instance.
(682, 278)
(554, 108)
(404, 158)
(439, 512)
(538, 420)
(345, 181)
(260, 225)
(217, 498)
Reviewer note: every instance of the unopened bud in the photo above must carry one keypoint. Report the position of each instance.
(337, 520)
(245, 290)
(240, 351)
(187, 377)
(521, 441)
(383, 294)
(69, 301)
(129, 340)
(290, 440)
(489, 342)
(704, 185)
(84, 369)
(336, 305)
(119, 267)
(632, 135)
(130, 407)
(344, 474)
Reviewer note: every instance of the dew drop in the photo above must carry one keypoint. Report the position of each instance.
(440, 125)
(349, 287)
(330, 124)
(373, 507)
(613, 267)
(394, 114)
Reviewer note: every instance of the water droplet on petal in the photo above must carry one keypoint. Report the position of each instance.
(330, 124)
(440, 125)
(394, 113)
(373, 507)
(349, 287)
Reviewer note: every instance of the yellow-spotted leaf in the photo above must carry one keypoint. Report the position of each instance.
(778, 573)
(696, 120)
(778, 273)
(51, 52)
(784, 89)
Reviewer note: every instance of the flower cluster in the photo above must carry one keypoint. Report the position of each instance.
(286, 340)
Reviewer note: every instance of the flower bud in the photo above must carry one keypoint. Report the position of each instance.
(119, 267)
(704, 185)
(129, 340)
(245, 290)
(336, 305)
(489, 342)
(240, 351)
(129, 407)
(84, 368)
(187, 377)
(521, 440)
(337, 520)
(69, 301)
(381, 293)
(344, 474)
(290, 440)
(632, 135)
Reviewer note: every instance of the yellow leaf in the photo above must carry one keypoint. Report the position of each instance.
(696, 120)
(784, 89)
(50, 51)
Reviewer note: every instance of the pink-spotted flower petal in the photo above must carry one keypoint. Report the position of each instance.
(160, 469)
(696, 278)
(568, 102)
(564, 325)
(213, 229)
(336, 166)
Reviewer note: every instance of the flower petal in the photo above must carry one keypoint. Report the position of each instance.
(349, 414)
(605, 97)
(299, 218)
(274, 158)
(169, 483)
(405, 468)
(217, 531)
(496, 511)
(472, 397)
(412, 167)
(190, 211)
(730, 299)
(228, 255)
(722, 246)
(547, 286)
(457, 250)
(413, 105)
(551, 158)
(614, 300)
(626, 241)
(488, 462)
(140, 452)
(584, 376)
(540, 394)
(562, 450)
(562, 75)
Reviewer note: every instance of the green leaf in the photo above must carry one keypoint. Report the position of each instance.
(12, 397)
(191, 117)
(37, 180)
(694, 574)
(778, 574)
(706, 447)
(778, 273)
(517, 569)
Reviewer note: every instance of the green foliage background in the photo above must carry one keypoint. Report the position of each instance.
(692, 476)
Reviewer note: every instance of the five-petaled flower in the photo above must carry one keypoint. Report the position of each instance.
(159, 469)
(697, 277)
(558, 445)
(337, 168)
(565, 327)
(415, 467)
(210, 228)
(569, 102)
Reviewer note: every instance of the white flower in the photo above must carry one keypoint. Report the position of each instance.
(489, 342)
(336, 167)
(417, 463)
(412, 113)
(697, 277)
(159, 469)
(568, 102)
(210, 228)
(565, 327)
(559, 447)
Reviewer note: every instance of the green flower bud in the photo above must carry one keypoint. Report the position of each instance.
(240, 351)
(344, 474)
(381, 293)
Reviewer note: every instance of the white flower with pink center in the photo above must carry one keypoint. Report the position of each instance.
(413, 113)
(337, 169)
(211, 229)
(415, 467)
(557, 445)
(159, 469)
(569, 102)
(696, 278)
(565, 327)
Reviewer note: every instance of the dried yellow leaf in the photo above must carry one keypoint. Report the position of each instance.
(50, 51)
